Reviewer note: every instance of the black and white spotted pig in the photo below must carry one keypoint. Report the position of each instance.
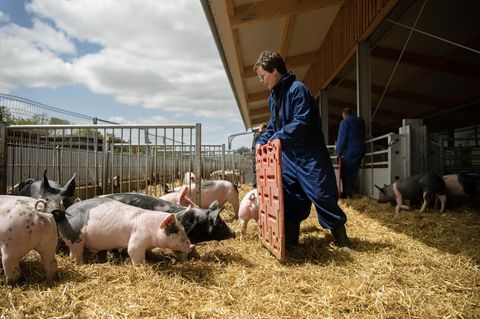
(104, 224)
(23, 227)
(57, 197)
(427, 187)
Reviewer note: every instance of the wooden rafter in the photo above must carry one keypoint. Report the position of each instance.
(259, 111)
(252, 13)
(255, 97)
(423, 72)
(348, 28)
(429, 62)
(286, 32)
(400, 95)
(381, 113)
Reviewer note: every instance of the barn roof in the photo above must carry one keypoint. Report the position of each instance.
(430, 72)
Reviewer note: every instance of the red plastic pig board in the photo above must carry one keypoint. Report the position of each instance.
(270, 198)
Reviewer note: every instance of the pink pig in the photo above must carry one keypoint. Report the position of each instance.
(23, 228)
(248, 210)
(103, 224)
(220, 190)
(180, 197)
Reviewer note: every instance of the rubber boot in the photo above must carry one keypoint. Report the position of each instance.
(292, 232)
(340, 238)
(347, 189)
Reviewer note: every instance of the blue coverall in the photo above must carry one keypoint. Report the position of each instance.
(307, 170)
(351, 147)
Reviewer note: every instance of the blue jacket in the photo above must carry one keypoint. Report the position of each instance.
(307, 171)
(297, 124)
(351, 138)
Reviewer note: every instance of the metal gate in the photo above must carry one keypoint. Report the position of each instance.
(105, 158)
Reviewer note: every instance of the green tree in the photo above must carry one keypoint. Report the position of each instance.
(5, 115)
(56, 120)
(34, 120)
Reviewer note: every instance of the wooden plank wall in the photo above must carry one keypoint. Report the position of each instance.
(355, 21)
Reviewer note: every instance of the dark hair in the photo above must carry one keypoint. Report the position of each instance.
(347, 111)
(269, 61)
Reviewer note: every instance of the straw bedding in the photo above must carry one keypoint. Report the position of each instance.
(405, 265)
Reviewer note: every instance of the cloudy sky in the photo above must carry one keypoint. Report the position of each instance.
(127, 61)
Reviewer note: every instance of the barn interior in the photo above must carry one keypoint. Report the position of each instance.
(390, 60)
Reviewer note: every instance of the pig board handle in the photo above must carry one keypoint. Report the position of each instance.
(45, 205)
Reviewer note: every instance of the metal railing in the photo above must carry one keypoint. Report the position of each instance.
(386, 160)
(105, 158)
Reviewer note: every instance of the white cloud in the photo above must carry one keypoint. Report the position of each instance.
(158, 54)
(28, 57)
(4, 17)
(154, 54)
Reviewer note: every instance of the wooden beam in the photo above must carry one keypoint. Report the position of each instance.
(286, 32)
(469, 95)
(423, 72)
(347, 29)
(241, 91)
(255, 97)
(248, 14)
(400, 95)
(230, 8)
(261, 111)
(291, 62)
(425, 61)
(382, 113)
(259, 121)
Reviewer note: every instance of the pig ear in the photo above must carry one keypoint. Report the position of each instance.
(166, 189)
(213, 205)
(70, 187)
(214, 215)
(183, 191)
(170, 219)
(46, 184)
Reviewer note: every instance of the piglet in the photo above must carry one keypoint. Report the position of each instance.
(218, 190)
(104, 224)
(248, 210)
(23, 227)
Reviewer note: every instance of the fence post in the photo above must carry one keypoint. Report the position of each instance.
(223, 161)
(3, 159)
(198, 161)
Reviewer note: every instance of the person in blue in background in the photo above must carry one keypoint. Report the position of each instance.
(350, 148)
(307, 171)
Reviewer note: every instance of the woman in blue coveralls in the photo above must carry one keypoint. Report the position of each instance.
(307, 170)
(351, 148)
